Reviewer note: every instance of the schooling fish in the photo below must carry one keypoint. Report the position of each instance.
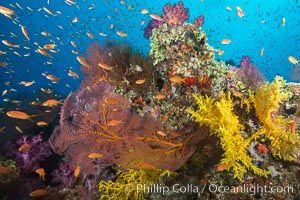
(121, 34)
(10, 44)
(293, 60)
(25, 33)
(83, 62)
(24, 147)
(39, 193)
(51, 102)
(18, 114)
(77, 171)
(157, 17)
(225, 41)
(41, 173)
(6, 11)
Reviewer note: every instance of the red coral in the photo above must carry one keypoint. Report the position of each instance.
(189, 81)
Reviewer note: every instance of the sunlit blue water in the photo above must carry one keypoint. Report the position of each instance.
(248, 35)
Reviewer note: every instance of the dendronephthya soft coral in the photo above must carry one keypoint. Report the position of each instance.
(224, 123)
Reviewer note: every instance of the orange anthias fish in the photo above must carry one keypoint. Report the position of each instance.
(4, 170)
(114, 122)
(83, 62)
(121, 34)
(261, 53)
(176, 79)
(220, 52)
(51, 77)
(49, 46)
(222, 167)
(225, 41)
(95, 155)
(105, 66)
(27, 83)
(25, 33)
(161, 133)
(144, 11)
(103, 34)
(43, 52)
(240, 13)
(18, 114)
(111, 100)
(206, 57)
(157, 17)
(44, 33)
(42, 123)
(140, 81)
(293, 60)
(6, 11)
(144, 165)
(283, 21)
(73, 74)
(51, 102)
(160, 96)
(24, 147)
(10, 44)
(39, 193)
(90, 35)
(77, 171)
(49, 11)
(41, 173)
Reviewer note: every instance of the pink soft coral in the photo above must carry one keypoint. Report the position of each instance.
(175, 15)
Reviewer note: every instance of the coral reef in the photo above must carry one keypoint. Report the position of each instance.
(99, 120)
(28, 160)
(219, 117)
(140, 116)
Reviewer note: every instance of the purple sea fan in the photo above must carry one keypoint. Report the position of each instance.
(29, 159)
(250, 74)
(245, 61)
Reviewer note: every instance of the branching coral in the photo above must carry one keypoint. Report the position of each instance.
(220, 118)
(125, 187)
(285, 143)
(28, 160)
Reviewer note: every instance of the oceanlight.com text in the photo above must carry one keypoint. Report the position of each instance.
(251, 189)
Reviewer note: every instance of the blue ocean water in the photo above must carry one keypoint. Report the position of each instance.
(248, 34)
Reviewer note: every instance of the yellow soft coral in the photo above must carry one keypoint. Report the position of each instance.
(285, 143)
(219, 117)
(125, 187)
(221, 120)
